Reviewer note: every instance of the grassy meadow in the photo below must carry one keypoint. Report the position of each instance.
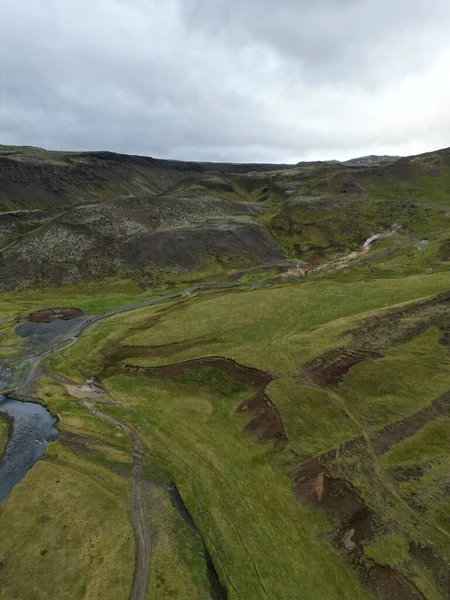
(4, 435)
(263, 542)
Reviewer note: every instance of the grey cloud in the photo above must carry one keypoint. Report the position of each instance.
(340, 39)
(214, 80)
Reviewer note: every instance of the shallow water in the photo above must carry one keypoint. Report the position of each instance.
(33, 428)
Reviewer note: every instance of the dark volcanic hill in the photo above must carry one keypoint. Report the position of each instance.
(69, 216)
(36, 178)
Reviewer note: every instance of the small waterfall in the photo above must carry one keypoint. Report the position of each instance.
(372, 238)
(377, 236)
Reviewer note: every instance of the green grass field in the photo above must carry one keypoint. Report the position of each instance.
(265, 543)
(4, 435)
(308, 432)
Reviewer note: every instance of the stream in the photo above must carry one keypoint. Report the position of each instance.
(33, 428)
(217, 591)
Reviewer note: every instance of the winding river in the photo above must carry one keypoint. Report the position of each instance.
(33, 428)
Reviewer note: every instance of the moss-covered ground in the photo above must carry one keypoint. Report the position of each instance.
(266, 542)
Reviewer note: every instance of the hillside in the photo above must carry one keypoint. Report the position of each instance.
(372, 159)
(72, 217)
(250, 370)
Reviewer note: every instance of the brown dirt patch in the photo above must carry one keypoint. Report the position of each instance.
(314, 486)
(81, 391)
(331, 368)
(266, 420)
(433, 563)
(247, 375)
(83, 443)
(388, 584)
(49, 314)
(297, 272)
(408, 472)
(78, 443)
(354, 524)
(374, 335)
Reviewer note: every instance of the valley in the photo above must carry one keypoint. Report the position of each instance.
(249, 366)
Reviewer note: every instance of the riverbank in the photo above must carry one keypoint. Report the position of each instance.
(5, 432)
(30, 429)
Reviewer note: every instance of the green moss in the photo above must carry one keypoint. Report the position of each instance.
(242, 506)
(214, 379)
(430, 443)
(4, 435)
(388, 550)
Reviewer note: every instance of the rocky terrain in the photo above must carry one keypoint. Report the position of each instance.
(69, 217)
(372, 159)
(249, 370)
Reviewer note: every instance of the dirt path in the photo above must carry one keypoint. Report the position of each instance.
(142, 539)
(142, 536)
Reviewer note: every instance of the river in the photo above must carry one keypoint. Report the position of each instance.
(33, 428)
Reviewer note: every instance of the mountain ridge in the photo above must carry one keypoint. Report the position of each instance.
(69, 216)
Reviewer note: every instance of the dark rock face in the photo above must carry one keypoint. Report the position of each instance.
(189, 248)
(136, 233)
(68, 216)
(33, 177)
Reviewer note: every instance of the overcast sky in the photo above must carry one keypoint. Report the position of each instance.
(238, 80)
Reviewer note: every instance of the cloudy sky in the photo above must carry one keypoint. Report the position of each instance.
(238, 80)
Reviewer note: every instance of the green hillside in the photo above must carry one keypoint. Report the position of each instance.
(274, 425)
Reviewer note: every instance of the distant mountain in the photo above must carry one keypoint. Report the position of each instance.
(370, 160)
(76, 216)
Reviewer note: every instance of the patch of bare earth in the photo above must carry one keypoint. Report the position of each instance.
(334, 264)
(409, 426)
(331, 368)
(125, 352)
(374, 335)
(80, 443)
(266, 420)
(353, 527)
(81, 391)
(353, 522)
(49, 314)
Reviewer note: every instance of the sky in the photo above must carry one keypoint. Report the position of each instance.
(226, 80)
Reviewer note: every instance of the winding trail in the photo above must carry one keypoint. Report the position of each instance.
(142, 539)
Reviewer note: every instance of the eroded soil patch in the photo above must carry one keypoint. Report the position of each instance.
(49, 314)
(127, 352)
(266, 420)
(375, 335)
(331, 368)
(354, 525)
(81, 443)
